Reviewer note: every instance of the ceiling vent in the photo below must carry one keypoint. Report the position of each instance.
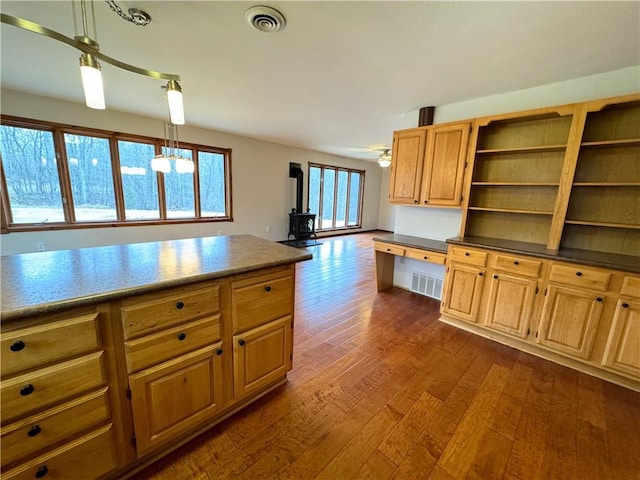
(265, 19)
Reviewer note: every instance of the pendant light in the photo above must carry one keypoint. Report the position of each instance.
(384, 160)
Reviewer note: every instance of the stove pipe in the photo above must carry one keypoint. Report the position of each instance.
(296, 172)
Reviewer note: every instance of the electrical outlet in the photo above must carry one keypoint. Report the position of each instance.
(40, 247)
(219, 232)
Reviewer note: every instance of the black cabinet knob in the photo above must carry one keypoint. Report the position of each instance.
(388, 249)
(42, 471)
(33, 431)
(27, 390)
(241, 342)
(219, 351)
(466, 254)
(516, 262)
(426, 258)
(599, 299)
(481, 274)
(415, 201)
(495, 276)
(578, 274)
(182, 336)
(267, 288)
(426, 201)
(180, 305)
(625, 305)
(17, 346)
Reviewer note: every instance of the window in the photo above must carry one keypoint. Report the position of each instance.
(57, 176)
(335, 196)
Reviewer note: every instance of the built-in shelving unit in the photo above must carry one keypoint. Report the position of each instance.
(604, 203)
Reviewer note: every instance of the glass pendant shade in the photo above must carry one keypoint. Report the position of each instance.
(384, 160)
(184, 165)
(160, 163)
(174, 98)
(92, 82)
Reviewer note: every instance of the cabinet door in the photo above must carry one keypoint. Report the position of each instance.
(175, 396)
(510, 304)
(463, 292)
(623, 346)
(569, 320)
(406, 166)
(261, 356)
(443, 169)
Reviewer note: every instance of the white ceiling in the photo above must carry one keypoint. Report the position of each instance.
(340, 76)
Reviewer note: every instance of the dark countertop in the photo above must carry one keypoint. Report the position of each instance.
(626, 263)
(417, 242)
(43, 282)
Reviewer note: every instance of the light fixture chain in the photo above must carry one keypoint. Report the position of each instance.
(142, 20)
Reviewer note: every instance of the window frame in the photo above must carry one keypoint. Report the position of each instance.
(58, 130)
(336, 169)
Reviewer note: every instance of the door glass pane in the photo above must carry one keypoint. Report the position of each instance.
(327, 198)
(354, 199)
(341, 204)
(179, 189)
(212, 188)
(139, 182)
(314, 192)
(89, 163)
(30, 167)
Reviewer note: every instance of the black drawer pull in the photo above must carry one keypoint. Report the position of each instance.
(516, 262)
(17, 346)
(466, 254)
(182, 336)
(241, 342)
(599, 299)
(267, 288)
(219, 351)
(415, 201)
(481, 274)
(27, 390)
(495, 276)
(625, 305)
(180, 305)
(578, 274)
(33, 431)
(426, 258)
(42, 471)
(388, 249)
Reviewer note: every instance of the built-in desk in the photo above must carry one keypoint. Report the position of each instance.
(387, 247)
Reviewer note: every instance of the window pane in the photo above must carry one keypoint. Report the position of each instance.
(314, 192)
(341, 207)
(354, 199)
(33, 186)
(212, 188)
(139, 182)
(179, 190)
(327, 198)
(89, 162)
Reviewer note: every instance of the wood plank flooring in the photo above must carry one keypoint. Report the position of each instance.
(381, 390)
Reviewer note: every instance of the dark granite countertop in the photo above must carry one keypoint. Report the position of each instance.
(43, 282)
(417, 242)
(625, 263)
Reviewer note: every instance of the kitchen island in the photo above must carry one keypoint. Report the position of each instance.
(114, 356)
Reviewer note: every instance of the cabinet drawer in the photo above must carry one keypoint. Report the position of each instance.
(580, 277)
(468, 256)
(32, 347)
(152, 349)
(390, 248)
(42, 388)
(35, 433)
(631, 287)
(87, 457)
(426, 256)
(518, 265)
(267, 298)
(164, 309)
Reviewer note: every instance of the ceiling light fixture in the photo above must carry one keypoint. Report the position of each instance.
(384, 160)
(171, 151)
(89, 65)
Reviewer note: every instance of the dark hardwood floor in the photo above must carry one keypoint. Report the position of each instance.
(381, 389)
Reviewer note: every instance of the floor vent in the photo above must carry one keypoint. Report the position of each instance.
(427, 285)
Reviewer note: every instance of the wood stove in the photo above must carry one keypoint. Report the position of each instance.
(302, 226)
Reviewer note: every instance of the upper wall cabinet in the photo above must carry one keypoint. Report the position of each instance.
(428, 165)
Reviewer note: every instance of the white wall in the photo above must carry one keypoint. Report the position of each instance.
(440, 223)
(263, 193)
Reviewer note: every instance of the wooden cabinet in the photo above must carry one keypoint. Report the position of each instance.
(262, 330)
(428, 165)
(56, 403)
(463, 291)
(261, 356)
(175, 396)
(406, 166)
(443, 169)
(510, 303)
